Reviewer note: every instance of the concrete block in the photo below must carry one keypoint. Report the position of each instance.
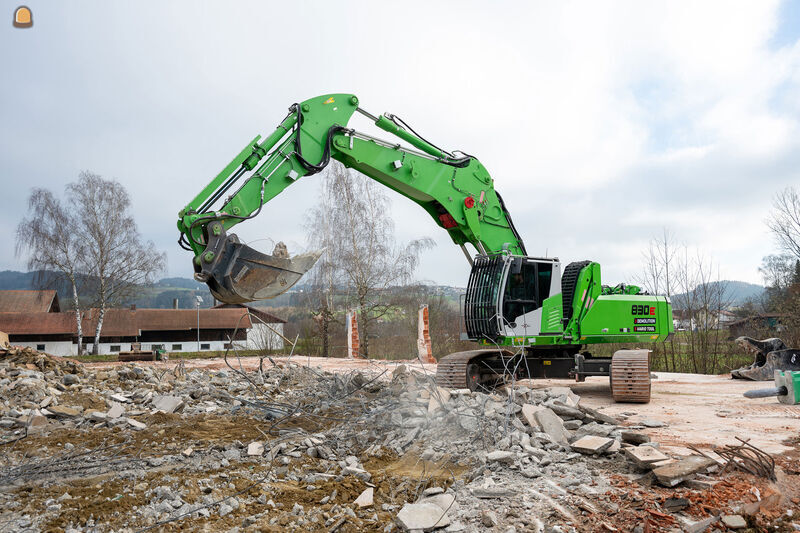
(421, 516)
(592, 445)
(644, 456)
(168, 404)
(551, 423)
(528, 410)
(672, 474)
(365, 499)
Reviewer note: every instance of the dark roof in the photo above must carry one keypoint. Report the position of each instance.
(259, 312)
(29, 301)
(183, 319)
(33, 323)
(123, 322)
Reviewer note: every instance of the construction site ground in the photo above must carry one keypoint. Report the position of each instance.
(699, 409)
(314, 444)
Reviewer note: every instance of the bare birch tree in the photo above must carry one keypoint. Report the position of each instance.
(48, 238)
(659, 260)
(324, 276)
(785, 220)
(363, 251)
(692, 280)
(659, 272)
(116, 259)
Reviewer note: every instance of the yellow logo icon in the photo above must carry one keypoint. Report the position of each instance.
(23, 17)
(328, 101)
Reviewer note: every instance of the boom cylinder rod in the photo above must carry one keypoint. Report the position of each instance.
(387, 125)
(267, 144)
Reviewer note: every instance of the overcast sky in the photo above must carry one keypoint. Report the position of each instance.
(601, 123)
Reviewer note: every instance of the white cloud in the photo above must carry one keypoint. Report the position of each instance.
(601, 123)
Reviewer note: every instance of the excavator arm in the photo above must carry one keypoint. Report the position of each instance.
(456, 190)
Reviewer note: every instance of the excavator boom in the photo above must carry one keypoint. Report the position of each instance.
(457, 191)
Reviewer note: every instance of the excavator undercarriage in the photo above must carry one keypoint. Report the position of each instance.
(485, 370)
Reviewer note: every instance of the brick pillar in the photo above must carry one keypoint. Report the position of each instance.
(352, 335)
(424, 336)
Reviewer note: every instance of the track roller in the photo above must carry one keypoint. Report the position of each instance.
(630, 376)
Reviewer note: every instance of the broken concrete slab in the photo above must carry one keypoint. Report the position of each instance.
(135, 424)
(659, 464)
(696, 526)
(63, 412)
(438, 399)
(489, 518)
(96, 416)
(672, 474)
(120, 398)
(115, 411)
(551, 423)
(597, 415)
(444, 500)
(566, 412)
(421, 516)
(365, 499)
(528, 412)
(500, 456)
(167, 404)
(593, 428)
(564, 394)
(592, 445)
(733, 521)
(255, 449)
(614, 448)
(633, 437)
(37, 422)
(644, 456)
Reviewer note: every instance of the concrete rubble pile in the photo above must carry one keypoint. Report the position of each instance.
(295, 449)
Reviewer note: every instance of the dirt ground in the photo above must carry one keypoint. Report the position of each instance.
(180, 470)
(700, 410)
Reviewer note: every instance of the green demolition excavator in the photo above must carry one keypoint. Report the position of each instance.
(532, 317)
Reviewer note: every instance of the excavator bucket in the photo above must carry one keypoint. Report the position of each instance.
(770, 355)
(241, 274)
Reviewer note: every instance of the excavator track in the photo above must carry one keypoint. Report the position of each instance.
(461, 370)
(630, 376)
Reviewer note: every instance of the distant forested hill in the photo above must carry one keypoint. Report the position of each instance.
(736, 292)
(160, 295)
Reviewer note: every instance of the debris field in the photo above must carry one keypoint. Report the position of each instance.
(290, 447)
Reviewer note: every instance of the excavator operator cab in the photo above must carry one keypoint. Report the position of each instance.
(527, 285)
(505, 295)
